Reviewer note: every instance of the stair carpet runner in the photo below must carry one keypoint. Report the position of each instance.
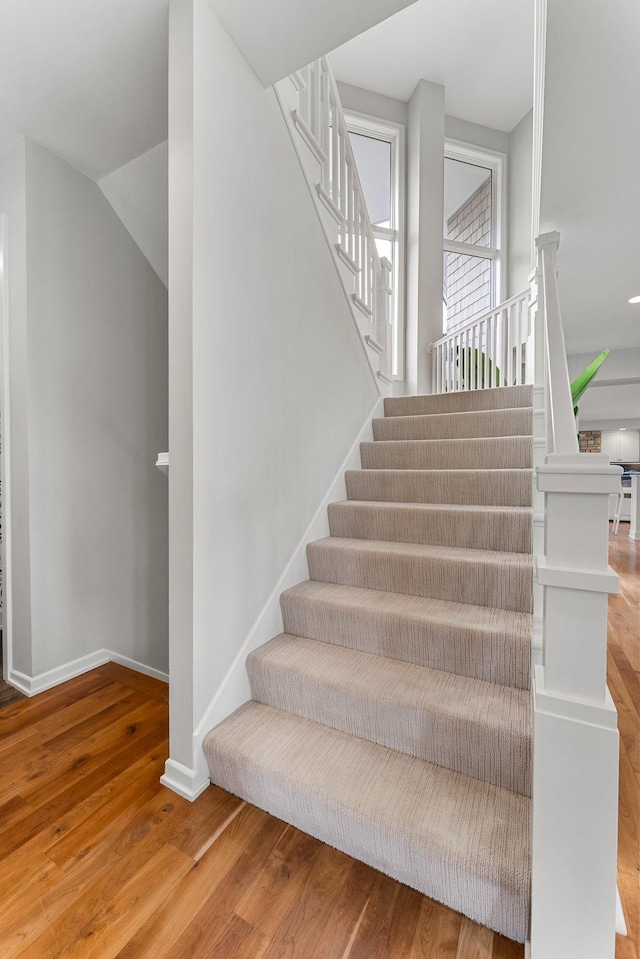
(391, 719)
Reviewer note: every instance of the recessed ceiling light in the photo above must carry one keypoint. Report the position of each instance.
(622, 427)
(635, 299)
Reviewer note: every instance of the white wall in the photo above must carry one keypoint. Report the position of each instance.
(590, 181)
(92, 390)
(373, 104)
(520, 186)
(475, 133)
(389, 108)
(280, 383)
(138, 194)
(13, 204)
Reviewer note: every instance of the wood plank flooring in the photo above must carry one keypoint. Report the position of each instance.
(8, 694)
(624, 683)
(97, 859)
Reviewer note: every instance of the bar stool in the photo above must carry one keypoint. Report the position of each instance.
(618, 512)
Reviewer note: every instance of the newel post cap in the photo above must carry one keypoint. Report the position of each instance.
(578, 473)
(548, 239)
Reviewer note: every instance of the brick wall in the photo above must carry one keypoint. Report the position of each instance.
(468, 278)
(590, 441)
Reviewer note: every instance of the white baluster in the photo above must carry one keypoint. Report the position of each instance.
(335, 155)
(344, 191)
(483, 348)
(351, 248)
(305, 95)
(326, 129)
(317, 102)
(492, 377)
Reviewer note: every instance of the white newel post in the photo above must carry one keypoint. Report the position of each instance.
(575, 771)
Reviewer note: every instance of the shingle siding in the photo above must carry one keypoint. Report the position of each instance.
(467, 278)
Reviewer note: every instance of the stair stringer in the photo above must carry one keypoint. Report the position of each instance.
(234, 688)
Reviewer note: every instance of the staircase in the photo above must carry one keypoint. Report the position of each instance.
(391, 718)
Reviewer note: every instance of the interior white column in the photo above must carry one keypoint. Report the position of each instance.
(179, 772)
(425, 204)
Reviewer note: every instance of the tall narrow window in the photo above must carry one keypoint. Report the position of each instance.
(378, 147)
(471, 234)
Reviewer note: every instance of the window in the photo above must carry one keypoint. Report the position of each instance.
(378, 147)
(472, 233)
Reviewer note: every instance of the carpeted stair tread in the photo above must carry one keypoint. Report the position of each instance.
(502, 528)
(478, 641)
(392, 716)
(507, 397)
(481, 453)
(477, 577)
(456, 839)
(508, 422)
(473, 727)
(490, 487)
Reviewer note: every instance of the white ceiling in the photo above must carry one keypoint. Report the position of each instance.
(280, 36)
(482, 52)
(85, 78)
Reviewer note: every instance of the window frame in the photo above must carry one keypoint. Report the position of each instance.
(496, 162)
(393, 133)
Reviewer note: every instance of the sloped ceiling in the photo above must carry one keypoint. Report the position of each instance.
(87, 79)
(281, 36)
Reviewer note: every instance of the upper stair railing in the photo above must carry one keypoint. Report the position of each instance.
(494, 349)
(311, 105)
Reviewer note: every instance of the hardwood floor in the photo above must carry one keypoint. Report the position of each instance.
(7, 693)
(624, 683)
(97, 859)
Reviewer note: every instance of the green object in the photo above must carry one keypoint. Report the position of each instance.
(470, 357)
(581, 382)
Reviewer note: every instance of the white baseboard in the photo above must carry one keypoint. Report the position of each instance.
(136, 666)
(234, 690)
(183, 781)
(32, 685)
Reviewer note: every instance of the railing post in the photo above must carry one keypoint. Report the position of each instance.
(575, 769)
(536, 375)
